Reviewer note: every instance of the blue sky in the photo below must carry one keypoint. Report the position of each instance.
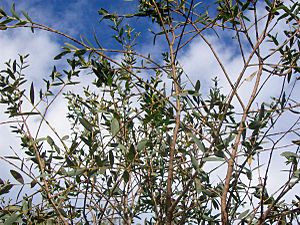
(81, 18)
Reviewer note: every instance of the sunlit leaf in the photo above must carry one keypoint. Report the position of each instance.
(243, 214)
(115, 127)
(11, 219)
(212, 159)
(142, 144)
(288, 154)
(251, 76)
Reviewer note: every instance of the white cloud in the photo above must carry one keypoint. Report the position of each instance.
(42, 48)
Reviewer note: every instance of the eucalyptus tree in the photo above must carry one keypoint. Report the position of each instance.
(147, 142)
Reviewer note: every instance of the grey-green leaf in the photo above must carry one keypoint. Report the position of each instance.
(50, 141)
(142, 144)
(213, 159)
(194, 162)
(243, 214)
(114, 126)
(288, 154)
(12, 219)
(198, 143)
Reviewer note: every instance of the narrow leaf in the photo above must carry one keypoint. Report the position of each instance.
(5, 188)
(17, 176)
(26, 16)
(243, 214)
(76, 172)
(126, 176)
(32, 94)
(86, 124)
(142, 144)
(212, 159)
(60, 55)
(50, 141)
(252, 75)
(194, 162)
(111, 158)
(11, 219)
(13, 11)
(296, 142)
(114, 126)
(198, 142)
(197, 86)
(288, 154)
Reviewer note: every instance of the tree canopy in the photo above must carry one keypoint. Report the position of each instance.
(150, 140)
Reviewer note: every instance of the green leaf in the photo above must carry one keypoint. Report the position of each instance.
(14, 66)
(296, 142)
(32, 94)
(76, 172)
(21, 23)
(212, 159)
(3, 27)
(245, 6)
(229, 139)
(103, 12)
(33, 183)
(197, 86)
(13, 11)
(243, 214)
(254, 125)
(5, 188)
(261, 112)
(60, 55)
(142, 144)
(195, 162)
(198, 185)
(198, 142)
(288, 154)
(117, 191)
(66, 137)
(12, 208)
(62, 211)
(86, 124)
(131, 153)
(126, 176)
(251, 76)
(248, 173)
(80, 52)
(111, 158)
(12, 219)
(26, 16)
(50, 141)
(114, 126)
(2, 13)
(17, 176)
(28, 113)
(6, 21)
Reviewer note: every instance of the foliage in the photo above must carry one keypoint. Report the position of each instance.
(143, 138)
